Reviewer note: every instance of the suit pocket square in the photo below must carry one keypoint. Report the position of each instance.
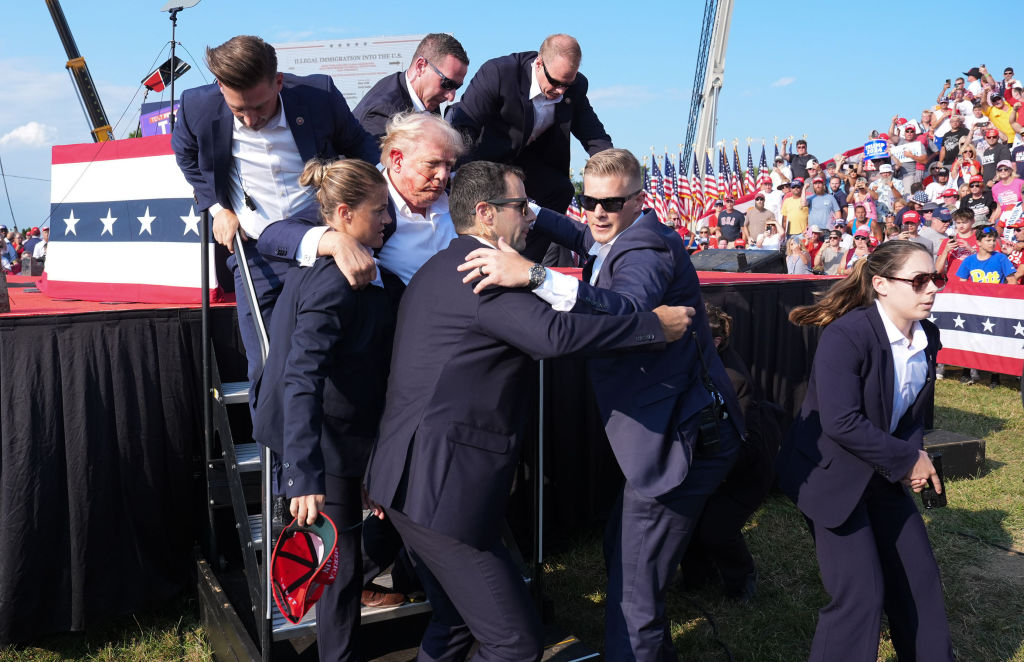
(485, 440)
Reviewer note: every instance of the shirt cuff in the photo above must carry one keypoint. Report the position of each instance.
(306, 254)
(215, 209)
(559, 290)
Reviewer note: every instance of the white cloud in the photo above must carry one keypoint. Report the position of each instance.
(784, 81)
(32, 134)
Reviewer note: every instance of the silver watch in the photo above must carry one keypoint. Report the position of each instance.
(537, 275)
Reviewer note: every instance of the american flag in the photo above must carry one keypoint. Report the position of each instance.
(669, 181)
(763, 165)
(736, 185)
(683, 192)
(710, 184)
(658, 192)
(750, 185)
(125, 225)
(776, 152)
(574, 211)
(648, 193)
(981, 326)
(723, 173)
(696, 190)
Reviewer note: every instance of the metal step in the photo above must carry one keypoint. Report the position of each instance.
(282, 629)
(234, 393)
(248, 456)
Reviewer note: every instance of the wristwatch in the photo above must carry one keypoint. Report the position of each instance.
(537, 275)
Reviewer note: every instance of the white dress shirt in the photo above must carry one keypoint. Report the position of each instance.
(417, 238)
(543, 107)
(416, 103)
(910, 367)
(265, 164)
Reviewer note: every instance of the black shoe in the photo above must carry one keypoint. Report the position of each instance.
(746, 591)
(993, 381)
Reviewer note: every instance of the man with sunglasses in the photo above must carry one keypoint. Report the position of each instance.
(437, 70)
(521, 108)
(994, 152)
(980, 200)
(672, 441)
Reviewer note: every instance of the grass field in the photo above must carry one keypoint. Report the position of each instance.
(984, 585)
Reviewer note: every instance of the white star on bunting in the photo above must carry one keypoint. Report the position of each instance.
(1019, 329)
(958, 322)
(147, 222)
(932, 318)
(191, 221)
(108, 224)
(988, 325)
(69, 224)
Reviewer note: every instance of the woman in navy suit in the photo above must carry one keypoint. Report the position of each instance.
(856, 448)
(319, 399)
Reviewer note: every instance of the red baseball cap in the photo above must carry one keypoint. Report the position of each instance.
(977, 179)
(817, 179)
(949, 192)
(912, 217)
(305, 560)
(991, 132)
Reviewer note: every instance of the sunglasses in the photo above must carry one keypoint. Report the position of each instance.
(523, 203)
(920, 281)
(554, 81)
(608, 204)
(446, 83)
(1003, 169)
(860, 238)
(975, 185)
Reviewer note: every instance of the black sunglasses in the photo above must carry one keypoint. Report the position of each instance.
(554, 81)
(524, 203)
(608, 204)
(920, 281)
(446, 83)
(988, 229)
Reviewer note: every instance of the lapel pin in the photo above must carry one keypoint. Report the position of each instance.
(300, 121)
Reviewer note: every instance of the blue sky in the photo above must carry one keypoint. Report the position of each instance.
(832, 71)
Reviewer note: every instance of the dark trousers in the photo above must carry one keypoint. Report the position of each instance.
(268, 281)
(880, 558)
(474, 594)
(337, 610)
(644, 543)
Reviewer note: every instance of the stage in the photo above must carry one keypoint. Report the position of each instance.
(101, 481)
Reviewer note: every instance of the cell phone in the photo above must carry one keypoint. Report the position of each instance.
(947, 81)
(929, 497)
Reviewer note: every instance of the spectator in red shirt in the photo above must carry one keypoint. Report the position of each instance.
(959, 246)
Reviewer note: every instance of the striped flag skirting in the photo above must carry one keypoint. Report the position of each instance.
(981, 326)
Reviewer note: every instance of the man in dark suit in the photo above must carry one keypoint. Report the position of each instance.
(242, 143)
(450, 437)
(672, 419)
(521, 108)
(437, 70)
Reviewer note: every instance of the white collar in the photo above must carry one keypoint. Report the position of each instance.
(417, 104)
(597, 246)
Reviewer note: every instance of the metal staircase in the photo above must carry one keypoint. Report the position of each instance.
(235, 467)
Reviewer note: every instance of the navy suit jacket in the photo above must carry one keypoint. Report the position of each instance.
(388, 97)
(497, 115)
(841, 438)
(459, 392)
(317, 114)
(645, 398)
(318, 399)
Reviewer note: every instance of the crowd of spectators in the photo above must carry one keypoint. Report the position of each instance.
(951, 180)
(15, 245)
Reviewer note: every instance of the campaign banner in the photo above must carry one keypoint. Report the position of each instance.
(157, 122)
(124, 226)
(355, 64)
(876, 149)
(903, 151)
(981, 326)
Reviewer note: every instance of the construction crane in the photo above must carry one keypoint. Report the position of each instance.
(87, 94)
(708, 78)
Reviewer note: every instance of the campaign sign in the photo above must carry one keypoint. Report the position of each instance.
(876, 149)
(158, 122)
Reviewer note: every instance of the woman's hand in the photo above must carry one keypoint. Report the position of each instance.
(306, 508)
(922, 471)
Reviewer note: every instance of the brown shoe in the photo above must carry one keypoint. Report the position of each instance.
(378, 596)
